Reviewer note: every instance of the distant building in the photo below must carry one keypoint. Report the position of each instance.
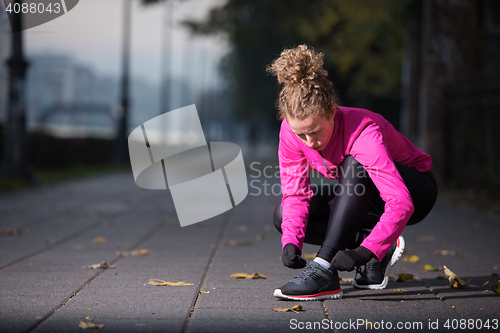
(78, 121)
(56, 80)
(56, 84)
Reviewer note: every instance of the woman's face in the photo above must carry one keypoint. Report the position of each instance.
(314, 131)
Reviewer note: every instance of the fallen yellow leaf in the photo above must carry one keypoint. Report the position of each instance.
(102, 264)
(95, 213)
(423, 239)
(455, 281)
(90, 325)
(249, 276)
(239, 275)
(309, 255)
(165, 219)
(14, 231)
(140, 252)
(88, 316)
(204, 292)
(346, 279)
(496, 287)
(257, 276)
(260, 236)
(445, 253)
(429, 268)
(158, 282)
(98, 240)
(399, 289)
(239, 243)
(412, 258)
(240, 228)
(403, 277)
(295, 309)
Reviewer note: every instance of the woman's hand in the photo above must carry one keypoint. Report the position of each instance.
(291, 257)
(346, 260)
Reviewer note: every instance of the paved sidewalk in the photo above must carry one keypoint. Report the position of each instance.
(44, 288)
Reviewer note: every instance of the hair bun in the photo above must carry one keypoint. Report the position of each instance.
(298, 65)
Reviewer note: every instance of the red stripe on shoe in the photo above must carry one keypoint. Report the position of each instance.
(315, 295)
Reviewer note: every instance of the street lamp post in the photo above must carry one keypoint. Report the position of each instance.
(16, 160)
(122, 138)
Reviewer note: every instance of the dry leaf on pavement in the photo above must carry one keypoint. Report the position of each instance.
(295, 309)
(403, 277)
(158, 282)
(98, 240)
(140, 252)
(455, 281)
(445, 253)
(239, 243)
(102, 264)
(496, 287)
(239, 275)
(423, 239)
(14, 231)
(412, 258)
(257, 276)
(204, 292)
(88, 316)
(90, 325)
(429, 268)
(308, 255)
(240, 228)
(399, 289)
(249, 276)
(346, 279)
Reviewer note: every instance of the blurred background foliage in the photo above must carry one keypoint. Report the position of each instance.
(362, 42)
(428, 66)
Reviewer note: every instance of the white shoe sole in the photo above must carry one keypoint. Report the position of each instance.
(279, 294)
(395, 257)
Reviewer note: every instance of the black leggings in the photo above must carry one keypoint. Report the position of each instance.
(337, 222)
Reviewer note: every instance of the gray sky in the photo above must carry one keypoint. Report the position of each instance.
(92, 34)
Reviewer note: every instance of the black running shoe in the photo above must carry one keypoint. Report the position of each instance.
(376, 274)
(313, 284)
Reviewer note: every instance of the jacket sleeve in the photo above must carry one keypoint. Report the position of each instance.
(296, 190)
(370, 150)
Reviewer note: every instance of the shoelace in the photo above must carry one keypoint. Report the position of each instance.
(304, 275)
(360, 271)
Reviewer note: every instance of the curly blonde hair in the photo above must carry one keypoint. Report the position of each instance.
(306, 89)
